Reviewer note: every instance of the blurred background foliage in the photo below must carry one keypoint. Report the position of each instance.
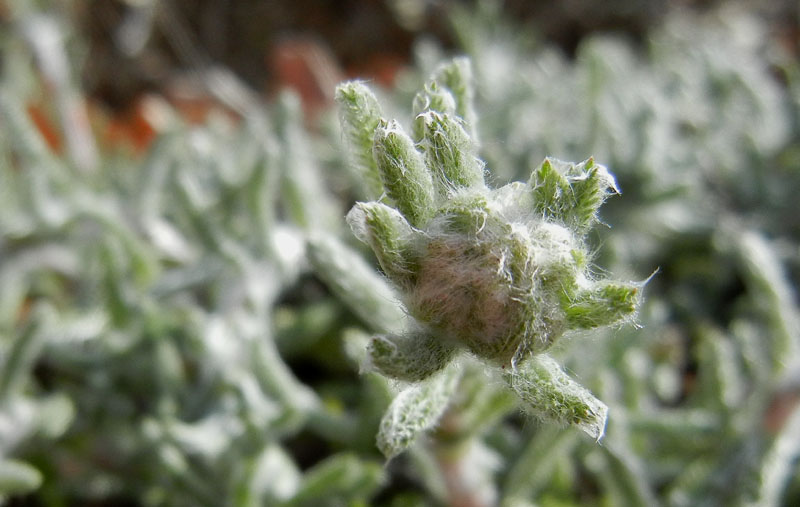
(169, 337)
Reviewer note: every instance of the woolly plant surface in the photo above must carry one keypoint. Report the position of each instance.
(501, 273)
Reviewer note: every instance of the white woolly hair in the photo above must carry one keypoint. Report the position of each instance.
(466, 285)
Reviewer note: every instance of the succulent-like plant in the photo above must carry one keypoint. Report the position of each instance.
(502, 273)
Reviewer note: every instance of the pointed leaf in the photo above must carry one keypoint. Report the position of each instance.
(359, 115)
(553, 396)
(405, 177)
(416, 410)
(411, 356)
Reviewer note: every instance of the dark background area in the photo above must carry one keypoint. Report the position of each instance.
(311, 44)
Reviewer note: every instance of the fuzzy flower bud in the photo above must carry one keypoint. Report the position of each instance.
(502, 273)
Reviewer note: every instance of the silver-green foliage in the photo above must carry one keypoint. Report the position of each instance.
(142, 337)
(502, 273)
(151, 306)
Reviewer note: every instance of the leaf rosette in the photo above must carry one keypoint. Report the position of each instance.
(502, 273)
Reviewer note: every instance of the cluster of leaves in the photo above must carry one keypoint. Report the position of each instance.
(499, 272)
(187, 328)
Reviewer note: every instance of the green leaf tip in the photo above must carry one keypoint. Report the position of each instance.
(450, 90)
(389, 235)
(458, 77)
(552, 396)
(359, 116)
(450, 153)
(602, 305)
(413, 356)
(406, 179)
(433, 97)
(571, 193)
(415, 410)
